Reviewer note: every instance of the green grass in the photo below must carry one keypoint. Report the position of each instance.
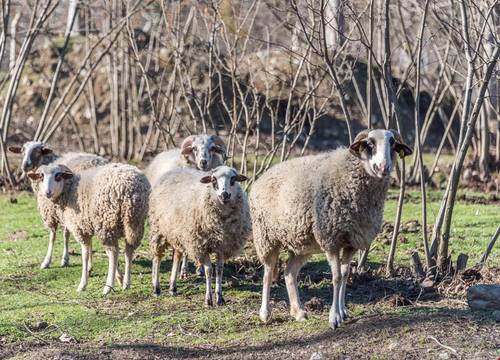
(29, 295)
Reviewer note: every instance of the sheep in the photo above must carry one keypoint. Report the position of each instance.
(198, 220)
(203, 152)
(331, 203)
(36, 154)
(108, 202)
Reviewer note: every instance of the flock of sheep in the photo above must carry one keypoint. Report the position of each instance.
(331, 203)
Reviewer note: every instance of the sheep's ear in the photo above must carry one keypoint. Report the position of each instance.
(400, 147)
(240, 178)
(67, 175)
(206, 179)
(15, 149)
(35, 176)
(46, 151)
(187, 150)
(359, 144)
(187, 145)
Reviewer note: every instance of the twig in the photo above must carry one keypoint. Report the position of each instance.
(442, 345)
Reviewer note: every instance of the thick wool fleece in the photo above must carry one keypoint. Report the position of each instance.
(316, 203)
(171, 160)
(187, 215)
(76, 162)
(109, 201)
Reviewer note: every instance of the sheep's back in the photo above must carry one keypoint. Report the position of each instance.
(164, 162)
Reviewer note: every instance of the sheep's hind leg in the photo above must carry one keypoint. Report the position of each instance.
(85, 264)
(345, 269)
(48, 257)
(208, 280)
(335, 318)
(173, 275)
(292, 269)
(112, 253)
(65, 256)
(129, 254)
(270, 263)
(156, 273)
(219, 270)
(184, 267)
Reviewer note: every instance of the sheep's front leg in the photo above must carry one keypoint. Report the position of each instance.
(345, 269)
(292, 269)
(85, 265)
(65, 256)
(48, 258)
(219, 270)
(184, 267)
(112, 253)
(173, 275)
(270, 264)
(335, 313)
(208, 280)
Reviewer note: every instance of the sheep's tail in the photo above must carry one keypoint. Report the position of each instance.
(134, 212)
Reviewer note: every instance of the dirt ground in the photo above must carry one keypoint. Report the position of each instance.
(446, 333)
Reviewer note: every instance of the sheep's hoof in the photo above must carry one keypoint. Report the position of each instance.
(265, 315)
(344, 314)
(90, 272)
(156, 291)
(81, 288)
(65, 261)
(335, 320)
(173, 291)
(220, 300)
(299, 315)
(107, 289)
(209, 302)
(45, 265)
(126, 286)
(183, 275)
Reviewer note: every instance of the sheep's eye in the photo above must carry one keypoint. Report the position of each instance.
(391, 141)
(214, 183)
(58, 177)
(233, 180)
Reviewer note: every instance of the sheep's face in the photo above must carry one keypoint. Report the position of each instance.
(51, 178)
(224, 182)
(376, 149)
(200, 150)
(33, 153)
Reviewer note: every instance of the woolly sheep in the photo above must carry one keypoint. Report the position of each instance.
(35, 154)
(331, 203)
(198, 220)
(203, 152)
(108, 202)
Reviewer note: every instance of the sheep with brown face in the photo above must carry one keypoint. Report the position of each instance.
(330, 203)
(198, 214)
(36, 154)
(202, 152)
(109, 202)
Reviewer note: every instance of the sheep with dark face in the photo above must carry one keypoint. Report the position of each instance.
(202, 152)
(108, 202)
(331, 203)
(200, 215)
(36, 154)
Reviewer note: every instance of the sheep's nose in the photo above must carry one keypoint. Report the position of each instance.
(49, 193)
(203, 163)
(226, 196)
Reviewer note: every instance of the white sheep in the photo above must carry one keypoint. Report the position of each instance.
(203, 152)
(331, 203)
(108, 202)
(35, 154)
(200, 215)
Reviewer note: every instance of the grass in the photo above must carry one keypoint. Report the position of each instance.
(29, 295)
